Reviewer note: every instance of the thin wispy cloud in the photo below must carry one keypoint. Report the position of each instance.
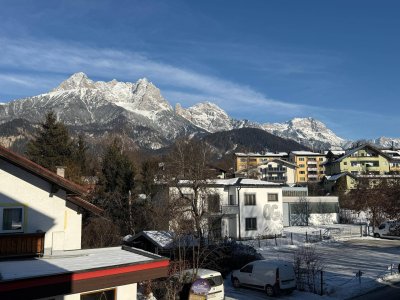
(53, 61)
(56, 58)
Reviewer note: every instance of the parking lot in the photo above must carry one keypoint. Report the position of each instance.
(342, 260)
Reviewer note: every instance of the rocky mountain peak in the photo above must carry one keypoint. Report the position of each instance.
(75, 81)
(206, 115)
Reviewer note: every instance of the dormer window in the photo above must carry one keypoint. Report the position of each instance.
(11, 219)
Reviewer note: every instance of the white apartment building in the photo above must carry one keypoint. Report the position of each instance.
(240, 208)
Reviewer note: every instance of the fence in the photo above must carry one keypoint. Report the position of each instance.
(308, 235)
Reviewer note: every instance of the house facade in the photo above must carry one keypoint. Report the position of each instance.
(244, 161)
(240, 208)
(309, 166)
(275, 170)
(365, 159)
(36, 201)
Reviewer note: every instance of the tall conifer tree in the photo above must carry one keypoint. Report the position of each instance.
(52, 146)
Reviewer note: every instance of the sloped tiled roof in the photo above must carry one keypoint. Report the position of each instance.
(74, 191)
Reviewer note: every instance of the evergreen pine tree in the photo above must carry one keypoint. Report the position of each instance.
(115, 188)
(52, 146)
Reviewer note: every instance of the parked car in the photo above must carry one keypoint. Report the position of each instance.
(214, 279)
(271, 276)
(388, 229)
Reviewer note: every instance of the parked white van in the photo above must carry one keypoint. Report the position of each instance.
(213, 278)
(388, 229)
(271, 276)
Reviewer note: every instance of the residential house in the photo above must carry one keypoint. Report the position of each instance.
(249, 160)
(394, 163)
(238, 208)
(363, 161)
(275, 170)
(310, 166)
(40, 241)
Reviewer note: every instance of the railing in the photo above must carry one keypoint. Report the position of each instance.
(230, 209)
(269, 170)
(21, 244)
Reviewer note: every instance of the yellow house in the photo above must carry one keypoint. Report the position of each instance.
(310, 165)
(362, 160)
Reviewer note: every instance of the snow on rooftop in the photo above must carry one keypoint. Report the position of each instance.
(71, 261)
(335, 177)
(163, 239)
(278, 154)
(306, 153)
(235, 181)
(243, 181)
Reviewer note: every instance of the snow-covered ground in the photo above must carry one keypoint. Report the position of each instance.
(342, 259)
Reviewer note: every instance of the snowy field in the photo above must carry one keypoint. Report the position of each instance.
(342, 259)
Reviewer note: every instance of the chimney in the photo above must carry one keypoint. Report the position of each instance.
(61, 171)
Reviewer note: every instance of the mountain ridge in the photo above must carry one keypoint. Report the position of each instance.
(139, 110)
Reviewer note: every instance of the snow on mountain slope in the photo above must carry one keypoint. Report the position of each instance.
(385, 142)
(141, 97)
(141, 109)
(307, 131)
(206, 115)
(137, 109)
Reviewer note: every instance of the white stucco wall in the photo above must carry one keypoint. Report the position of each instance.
(269, 214)
(123, 292)
(43, 211)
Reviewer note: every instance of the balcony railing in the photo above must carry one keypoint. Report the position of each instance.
(230, 209)
(21, 244)
(312, 169)
(273, 170)
(312, 176)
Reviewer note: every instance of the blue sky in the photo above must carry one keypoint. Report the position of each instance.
(267, 61)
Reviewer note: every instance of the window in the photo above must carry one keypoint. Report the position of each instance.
(11, 219)
(345, 163)
(213, 203)
(249, 199)
(100, 295)
(231, 200)
(272, 197)
(321, 159)
(251, 224)
(302, 172)
(301, 158)
(302, 165)
(247, 269)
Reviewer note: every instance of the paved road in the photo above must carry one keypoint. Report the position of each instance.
(390, 292)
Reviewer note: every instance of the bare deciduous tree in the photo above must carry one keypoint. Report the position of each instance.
(190, 176)
(308, 266)
(300, 211)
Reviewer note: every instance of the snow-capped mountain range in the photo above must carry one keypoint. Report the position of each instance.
(139, 111)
